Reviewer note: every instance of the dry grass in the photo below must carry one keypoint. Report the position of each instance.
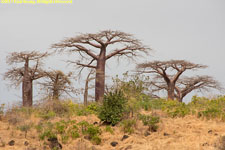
(188, 133)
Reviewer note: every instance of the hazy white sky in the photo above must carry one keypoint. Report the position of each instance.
(193, 30)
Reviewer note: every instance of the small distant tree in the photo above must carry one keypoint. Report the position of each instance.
(25, 74)
(88, 79)
(167, 77)
(57, 83)
(96, 49)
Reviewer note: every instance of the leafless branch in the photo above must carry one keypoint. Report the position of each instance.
(174, 84)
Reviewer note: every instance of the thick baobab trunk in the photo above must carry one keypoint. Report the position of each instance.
(180, 99)
(27, 93)
(55, 94)
(100, 77)
(100, 81)
(170, 95)
(170, 91)
(27, 88)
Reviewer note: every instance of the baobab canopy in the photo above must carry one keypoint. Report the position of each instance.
(168, 76)
(96, 49)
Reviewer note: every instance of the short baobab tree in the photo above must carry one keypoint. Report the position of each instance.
(87, 86)
(96, 49)
(57, 83)
(25, 74)
(168, 77)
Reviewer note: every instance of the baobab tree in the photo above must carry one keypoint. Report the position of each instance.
(199, 83)
(25, 74)
(168, 77)
(87, 87)
(96, 49)
(57, 83)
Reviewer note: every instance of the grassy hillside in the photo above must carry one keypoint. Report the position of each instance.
(121, 124)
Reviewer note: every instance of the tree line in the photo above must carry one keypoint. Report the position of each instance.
(94, 51)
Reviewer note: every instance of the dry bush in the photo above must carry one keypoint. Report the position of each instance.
(222, 143)
(17, 115)
(81, 144)
(55, 106)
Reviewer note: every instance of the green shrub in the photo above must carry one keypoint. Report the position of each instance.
(66, 108)
(71, 107)
(48, 133)
(176, 109)
(210, 113)
(74, 133)
(96, 140)
(46, 130)
(47, 115)
(179, 111)
(109, 129)
(209, 108)
(61, 127)
(81, 111)
(150, 121)
(25, 128)
(148, 103)
(91, 131)
(93, 108)
(84, 125)
(128, 125)
(71, 122)
(64, 138)
(133, 88)
(39, 127)
(113, 108)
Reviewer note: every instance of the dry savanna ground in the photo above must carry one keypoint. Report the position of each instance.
(187, 133)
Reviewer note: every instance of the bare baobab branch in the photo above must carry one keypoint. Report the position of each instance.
(176, 86)
(199, 83)
(95, 47)
(15, 75)
(57, 83)
(84, 65)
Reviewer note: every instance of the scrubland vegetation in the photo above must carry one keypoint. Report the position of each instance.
(65, 121)
(129, 114)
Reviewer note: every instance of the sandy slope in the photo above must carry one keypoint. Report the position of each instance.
(188, 133)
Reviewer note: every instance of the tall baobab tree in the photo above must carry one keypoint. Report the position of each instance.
(96, 49)
(167, 76)
(25, 74)
(57, 83)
